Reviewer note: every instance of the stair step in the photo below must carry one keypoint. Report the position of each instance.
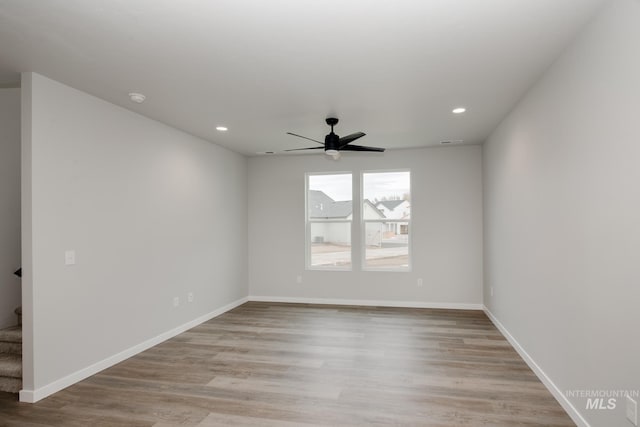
(10, 385)
(10, 366)
(11, 348)
(11, 359)
(13, 334)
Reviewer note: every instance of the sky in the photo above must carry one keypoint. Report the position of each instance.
(376, 185)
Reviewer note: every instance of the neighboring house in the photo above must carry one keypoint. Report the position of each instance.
(395, 209)
(323, 207)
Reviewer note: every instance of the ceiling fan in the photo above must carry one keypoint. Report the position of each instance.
(333, 144)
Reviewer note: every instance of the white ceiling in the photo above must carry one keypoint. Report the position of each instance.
(392, 69)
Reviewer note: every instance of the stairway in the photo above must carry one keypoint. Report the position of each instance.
(11, 359)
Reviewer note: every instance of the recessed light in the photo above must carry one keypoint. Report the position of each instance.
(221, 128)
(136, 97)
(458, 110)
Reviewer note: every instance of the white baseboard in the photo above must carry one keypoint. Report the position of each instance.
(555, 391)
(368, 303)
(32, 396)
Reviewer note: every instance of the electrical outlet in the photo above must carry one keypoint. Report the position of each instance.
(491, 289)
(176, 301)
(69, 257)
(420, 283)
(632, 410)
(299, 280)
(190, 297)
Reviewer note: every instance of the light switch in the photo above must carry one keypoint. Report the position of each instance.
(69, 257)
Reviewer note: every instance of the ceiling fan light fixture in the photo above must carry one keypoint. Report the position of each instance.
(331, 152)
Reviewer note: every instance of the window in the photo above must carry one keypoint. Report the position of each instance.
(386, 219)
(384, 230)
(328, 221)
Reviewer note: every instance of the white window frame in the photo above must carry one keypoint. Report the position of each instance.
(363, 224)
(308, 222)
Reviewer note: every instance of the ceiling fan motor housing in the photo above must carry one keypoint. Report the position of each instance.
(331, 143)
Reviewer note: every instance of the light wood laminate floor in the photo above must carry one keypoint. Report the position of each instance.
(265, 364)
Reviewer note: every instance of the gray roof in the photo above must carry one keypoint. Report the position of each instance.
(323, 206)
(390, 204)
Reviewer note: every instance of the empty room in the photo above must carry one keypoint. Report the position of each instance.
(319, 213)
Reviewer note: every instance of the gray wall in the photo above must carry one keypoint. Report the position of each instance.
(447, 229)
(562, 215)
(9, 204)
(152, 213)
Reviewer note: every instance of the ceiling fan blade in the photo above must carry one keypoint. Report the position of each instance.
(350, 138)
(300, 136)
(361, 148)
(309, 148)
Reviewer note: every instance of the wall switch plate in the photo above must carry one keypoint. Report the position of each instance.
(420, 283)
(69, 257)
(190, 297)
(176, 301)
(299, 280)
(632, 410)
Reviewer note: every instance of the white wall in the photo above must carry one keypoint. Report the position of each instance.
(562, 215)
(447, 229)
(152, 213)
(9, 205)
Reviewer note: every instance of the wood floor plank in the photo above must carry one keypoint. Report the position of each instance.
(214, 420)
(275, 364)
(288, 386)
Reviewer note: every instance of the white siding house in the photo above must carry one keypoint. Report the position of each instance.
(323, 207)
(395, 209)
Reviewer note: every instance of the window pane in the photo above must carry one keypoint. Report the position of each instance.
(387, 245)
(329, 197)
(389, 193)
(329, 215)
(330, 244)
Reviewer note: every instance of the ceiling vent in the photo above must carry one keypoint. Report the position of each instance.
(136, 97)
